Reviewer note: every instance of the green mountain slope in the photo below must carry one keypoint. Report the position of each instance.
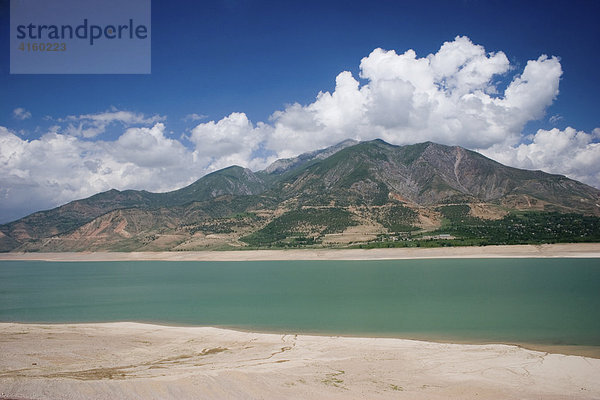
(428, 174)
(348, 193)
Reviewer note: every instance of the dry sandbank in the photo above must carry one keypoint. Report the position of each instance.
(139, 361)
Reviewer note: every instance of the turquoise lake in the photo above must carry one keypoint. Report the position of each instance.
(547, 301)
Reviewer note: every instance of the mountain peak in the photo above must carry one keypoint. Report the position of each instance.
(286, 164)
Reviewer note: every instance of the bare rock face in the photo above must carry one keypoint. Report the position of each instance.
(358, 179)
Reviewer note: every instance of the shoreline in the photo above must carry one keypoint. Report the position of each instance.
(588, 351)
(127, 360)
(562, 250)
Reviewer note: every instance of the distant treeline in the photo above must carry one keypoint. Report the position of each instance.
(515, 228)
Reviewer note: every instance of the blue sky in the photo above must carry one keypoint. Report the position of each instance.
(214, 58)
(254, 58)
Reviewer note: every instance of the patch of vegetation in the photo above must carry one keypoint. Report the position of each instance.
(227, 205)
(223, 225)
(455, 212)
(358, 173)
(397, 218)
(381, 197)
(457, 215)
(244, 215)
(301, 227)
(515, 228)
(530, 227)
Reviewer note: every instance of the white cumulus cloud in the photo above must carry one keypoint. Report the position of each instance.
(231, 141)
(57, 168)
(451, 97)
(565, 152)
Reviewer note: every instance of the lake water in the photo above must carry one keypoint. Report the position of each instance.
(546, 301)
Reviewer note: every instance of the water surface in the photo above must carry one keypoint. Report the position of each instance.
(546, 301)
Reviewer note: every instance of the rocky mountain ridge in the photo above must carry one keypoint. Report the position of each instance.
(346, 194)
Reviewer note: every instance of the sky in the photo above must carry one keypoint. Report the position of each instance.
(246, 82)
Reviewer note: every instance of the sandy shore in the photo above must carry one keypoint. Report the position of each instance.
(138, 361)
(582, 250)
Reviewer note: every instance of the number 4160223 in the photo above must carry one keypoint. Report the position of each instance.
(27, 46)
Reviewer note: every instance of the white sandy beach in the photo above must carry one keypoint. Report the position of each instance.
(582, 250)
(139, 361)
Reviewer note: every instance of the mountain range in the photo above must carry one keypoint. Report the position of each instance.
(348, 194)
